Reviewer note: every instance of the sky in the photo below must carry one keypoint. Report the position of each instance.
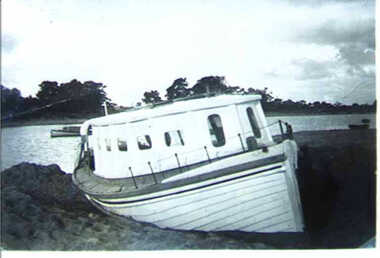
(313, 50)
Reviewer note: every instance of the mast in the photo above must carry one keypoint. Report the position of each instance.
(105, 108)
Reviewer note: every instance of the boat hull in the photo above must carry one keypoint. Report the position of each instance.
(262, 199)
(358, 126)
(63, 133)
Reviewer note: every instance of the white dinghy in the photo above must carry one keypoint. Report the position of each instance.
(207, 163)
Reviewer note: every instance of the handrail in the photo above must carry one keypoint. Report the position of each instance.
(289, 130)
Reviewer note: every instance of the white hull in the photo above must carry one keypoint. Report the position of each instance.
(263, 199)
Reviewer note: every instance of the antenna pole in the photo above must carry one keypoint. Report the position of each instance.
(105, 108)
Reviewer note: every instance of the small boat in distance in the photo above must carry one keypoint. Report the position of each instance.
(65, 131)
(206, 163)
(363, 125)
(358, 126)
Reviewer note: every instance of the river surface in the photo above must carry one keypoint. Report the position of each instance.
(34, 144)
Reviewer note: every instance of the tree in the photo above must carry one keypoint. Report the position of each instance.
(266, 95)
(233, 89)
(30, 103)
(178, 89)
(72, 97)
(210, 84)
(11, 101)
(151, 97)
(94, 95)
(48, 92)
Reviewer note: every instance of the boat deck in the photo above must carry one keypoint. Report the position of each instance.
(91, 183)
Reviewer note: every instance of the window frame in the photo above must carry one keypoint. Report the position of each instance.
(169, 141)
(253, 122)
(216, 131)
(147, 139)
(120, 147)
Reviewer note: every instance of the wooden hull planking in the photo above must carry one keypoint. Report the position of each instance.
(264, 199)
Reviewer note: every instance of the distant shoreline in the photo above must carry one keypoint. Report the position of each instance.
(59, 121)
(66, 121)
(271, 114)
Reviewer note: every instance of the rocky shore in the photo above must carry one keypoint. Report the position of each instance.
(42, 210)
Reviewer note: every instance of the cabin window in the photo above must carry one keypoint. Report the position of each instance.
(108, 144)
(122, 144)
(216, 130)
(174, 138)
(253, 121)
(144, 142)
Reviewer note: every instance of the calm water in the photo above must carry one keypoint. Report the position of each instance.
(323, 122)
(34, 144)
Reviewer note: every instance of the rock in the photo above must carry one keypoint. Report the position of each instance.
(37, 199)
(47, 184)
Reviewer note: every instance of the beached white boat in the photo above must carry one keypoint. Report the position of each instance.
(207, 163)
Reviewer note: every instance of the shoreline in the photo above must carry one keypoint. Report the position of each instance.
(271, 114)
(66, 121)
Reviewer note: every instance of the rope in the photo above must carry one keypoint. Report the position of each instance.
(275, 122)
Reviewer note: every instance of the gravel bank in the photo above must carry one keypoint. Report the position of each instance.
(42, 210)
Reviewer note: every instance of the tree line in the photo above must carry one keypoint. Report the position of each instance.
(217, 85)
(71, 99)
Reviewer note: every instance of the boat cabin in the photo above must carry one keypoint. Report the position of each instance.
(176, 134)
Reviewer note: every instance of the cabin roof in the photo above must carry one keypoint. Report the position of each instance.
(171, 108)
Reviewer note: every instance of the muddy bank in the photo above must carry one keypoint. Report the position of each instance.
(42, 210)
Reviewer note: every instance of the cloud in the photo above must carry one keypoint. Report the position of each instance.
(353, 41)
(314, 70)
(8, 43)
(338, 32)
(314, 3)
(134, 46)
(356, 58)
(351, 61)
